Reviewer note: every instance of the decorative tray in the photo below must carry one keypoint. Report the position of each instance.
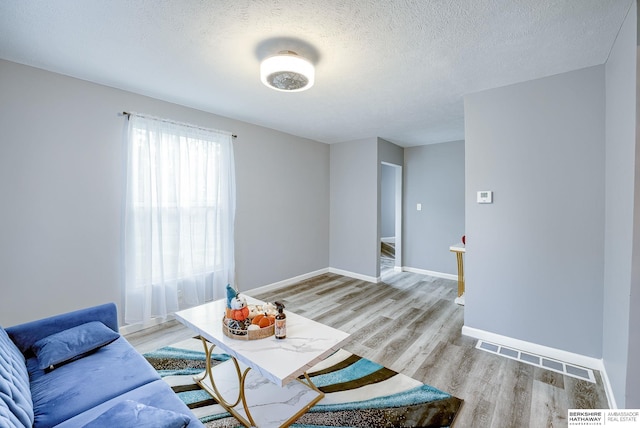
(240, 334)
(248, 329)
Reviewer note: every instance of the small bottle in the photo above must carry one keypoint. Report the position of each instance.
(281, 322)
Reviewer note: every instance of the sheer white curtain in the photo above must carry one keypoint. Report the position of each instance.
(179, 220)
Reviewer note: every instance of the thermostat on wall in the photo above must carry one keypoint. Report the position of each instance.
(485, 197)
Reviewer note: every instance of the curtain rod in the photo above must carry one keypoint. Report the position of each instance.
(175, 122)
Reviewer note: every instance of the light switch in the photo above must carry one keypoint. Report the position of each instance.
(419, 207)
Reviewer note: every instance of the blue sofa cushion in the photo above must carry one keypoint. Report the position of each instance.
(131, 414)
(85, 383)
(25, 335)
(157, 394)
(16, 407)
(72, 343)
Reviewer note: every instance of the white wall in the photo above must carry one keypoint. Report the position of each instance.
(534, 260)
(62, 180)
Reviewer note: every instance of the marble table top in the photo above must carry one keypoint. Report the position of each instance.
(279, 360)
(457, 248)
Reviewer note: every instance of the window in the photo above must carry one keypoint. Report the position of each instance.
(179, 217)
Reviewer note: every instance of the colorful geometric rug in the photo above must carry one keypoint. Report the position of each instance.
(358, 392)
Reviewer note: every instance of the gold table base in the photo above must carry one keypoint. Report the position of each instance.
(241, 399)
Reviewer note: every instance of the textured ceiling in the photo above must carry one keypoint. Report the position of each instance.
(396, 69)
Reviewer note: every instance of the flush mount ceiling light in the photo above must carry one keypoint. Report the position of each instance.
(288, 72)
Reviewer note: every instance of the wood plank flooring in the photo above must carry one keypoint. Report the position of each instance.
(410, 324)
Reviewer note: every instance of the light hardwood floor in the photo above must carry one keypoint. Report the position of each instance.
(410, 324)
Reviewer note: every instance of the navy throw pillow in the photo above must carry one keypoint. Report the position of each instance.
(71, 344)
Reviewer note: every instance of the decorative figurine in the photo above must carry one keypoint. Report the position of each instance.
(239, 309)
(231, 293)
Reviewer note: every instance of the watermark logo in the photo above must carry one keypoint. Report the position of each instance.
(627, 418)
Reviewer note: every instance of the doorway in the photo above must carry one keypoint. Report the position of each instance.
(390, 217)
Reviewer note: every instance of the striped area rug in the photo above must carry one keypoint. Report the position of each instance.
(358, 392)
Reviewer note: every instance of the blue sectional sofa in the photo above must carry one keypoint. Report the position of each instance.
(75, 370)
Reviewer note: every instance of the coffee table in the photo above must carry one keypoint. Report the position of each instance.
(261, 384)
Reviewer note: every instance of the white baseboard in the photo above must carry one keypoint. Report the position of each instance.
(430, 273)
(355, 275)
(546, 351)
(285, 282)
(608, 389)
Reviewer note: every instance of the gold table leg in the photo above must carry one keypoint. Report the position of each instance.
(242, 376)
(215, 393)
(460, 274)
(307, 381)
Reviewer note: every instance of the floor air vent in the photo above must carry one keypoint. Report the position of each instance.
(538, 361)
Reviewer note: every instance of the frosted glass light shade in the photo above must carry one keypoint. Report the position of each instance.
(287, 72)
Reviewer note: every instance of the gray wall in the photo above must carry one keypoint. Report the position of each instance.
(434, 176)
(355, 203)
(282, 218)
(390, 153)
(633, 372)
(387, 201)
(62, 180)
(620, 179)
(563, 235)
(534, 260)
(354, 241)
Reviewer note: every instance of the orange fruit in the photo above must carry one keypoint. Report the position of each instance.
(264, 322)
